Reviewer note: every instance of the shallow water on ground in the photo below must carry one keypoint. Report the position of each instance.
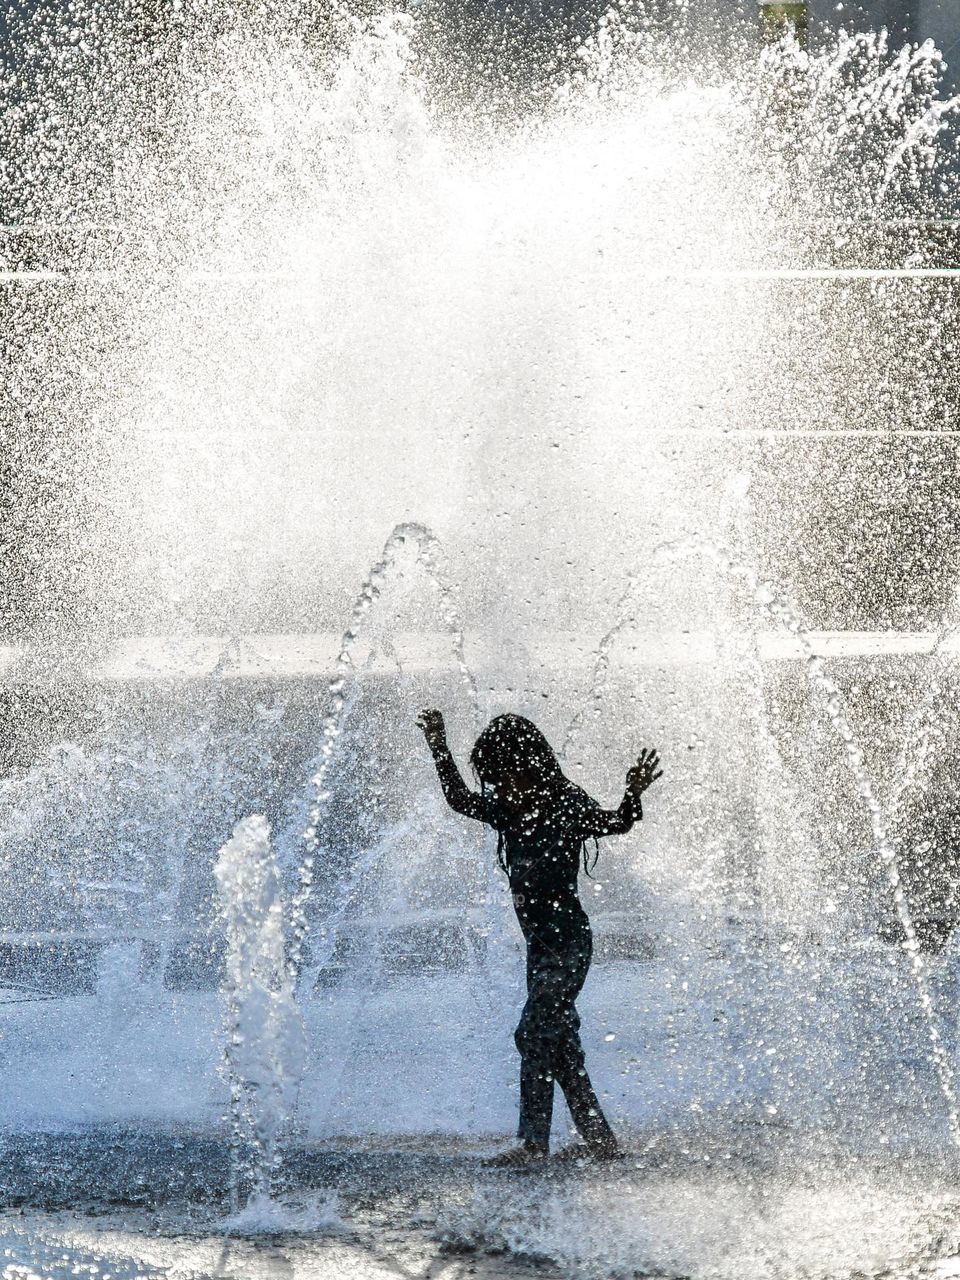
(719, 1202)
(779, 1110)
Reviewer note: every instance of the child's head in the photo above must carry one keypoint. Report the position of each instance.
(514, 759)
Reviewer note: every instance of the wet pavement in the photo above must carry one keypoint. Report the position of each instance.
(736, 1203)
(122, 1204)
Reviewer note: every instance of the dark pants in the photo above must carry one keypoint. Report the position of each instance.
(548, 1039)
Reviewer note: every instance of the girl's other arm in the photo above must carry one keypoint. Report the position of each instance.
(615, 822)
(456, 792)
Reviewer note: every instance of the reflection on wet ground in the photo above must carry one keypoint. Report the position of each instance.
(142, 1205)
(740, 1202)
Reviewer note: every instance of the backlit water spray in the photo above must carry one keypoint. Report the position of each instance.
(276, 282)
(825, 692)
(264, 1034)
(429, 558)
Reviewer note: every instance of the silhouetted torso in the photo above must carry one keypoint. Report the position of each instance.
(542, 850)
(542, 855)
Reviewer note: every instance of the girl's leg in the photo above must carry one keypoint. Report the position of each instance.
(548, 1039)
(584, 1105)
(537, 1039)
(571, 1069)
(536, 1105)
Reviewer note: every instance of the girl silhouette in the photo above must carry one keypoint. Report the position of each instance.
(543, 822)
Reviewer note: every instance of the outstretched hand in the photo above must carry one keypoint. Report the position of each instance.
(645, 772)
(434, 730)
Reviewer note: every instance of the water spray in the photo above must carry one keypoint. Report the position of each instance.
(430, 558)
(825, 692)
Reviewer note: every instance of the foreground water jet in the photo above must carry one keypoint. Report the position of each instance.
(264, 1051)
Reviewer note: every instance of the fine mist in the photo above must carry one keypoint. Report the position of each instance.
(384, 359)
(317, 286)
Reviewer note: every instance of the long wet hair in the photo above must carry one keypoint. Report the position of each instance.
(511, 744)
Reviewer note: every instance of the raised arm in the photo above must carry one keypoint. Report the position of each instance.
(456, 792)
(616, 822)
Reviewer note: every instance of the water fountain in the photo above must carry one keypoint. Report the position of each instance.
(264, 1037)
(603, 342)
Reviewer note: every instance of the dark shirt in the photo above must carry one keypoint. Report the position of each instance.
(542, 851)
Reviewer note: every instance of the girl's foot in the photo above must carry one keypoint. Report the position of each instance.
(573, 1154)
(609, 1150)
(517, 1157)
(597, 1151)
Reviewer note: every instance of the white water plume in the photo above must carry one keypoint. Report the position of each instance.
(264, 1034)
(316, 288)
(325, 270)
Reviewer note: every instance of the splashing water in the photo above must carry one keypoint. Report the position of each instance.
(526, 282)
(430, 558)
(780, 611)
(264, 1035)
(298, 283)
